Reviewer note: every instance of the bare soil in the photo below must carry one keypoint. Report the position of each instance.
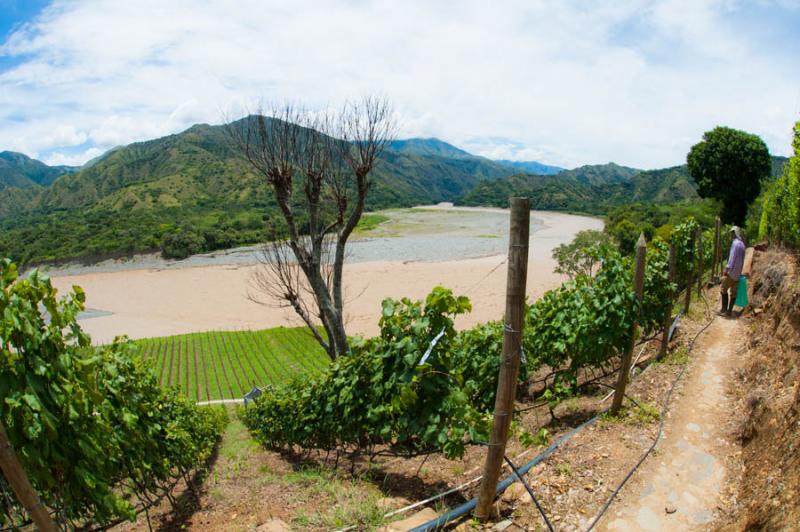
(768, 403)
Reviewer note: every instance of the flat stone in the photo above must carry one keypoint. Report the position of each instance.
(419, 518)
(647, 519)
(274, 525)
(388, 504)
(516, 492)
(502, 525)
(670, 509)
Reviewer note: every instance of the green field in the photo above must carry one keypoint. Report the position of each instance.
(227, 364)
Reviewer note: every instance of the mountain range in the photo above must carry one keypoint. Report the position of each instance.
(195, 183)
(20, 171)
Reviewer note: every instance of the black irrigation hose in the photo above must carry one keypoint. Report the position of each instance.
(530, 492)
(616, 491)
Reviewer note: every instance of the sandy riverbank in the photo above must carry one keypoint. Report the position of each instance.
(157, 302)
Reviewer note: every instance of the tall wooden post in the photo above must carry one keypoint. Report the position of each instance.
(698, 236)
(689, 270)
(512, 342)
(668, 310)
(18, 480)
(625, 367)
(717, 249)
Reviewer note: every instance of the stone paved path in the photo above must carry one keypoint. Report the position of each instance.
(678, 487)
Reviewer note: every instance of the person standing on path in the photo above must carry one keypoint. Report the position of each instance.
(732, 272)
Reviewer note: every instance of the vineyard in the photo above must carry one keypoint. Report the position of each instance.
(421, 386)
(101, 440)
(227, 364)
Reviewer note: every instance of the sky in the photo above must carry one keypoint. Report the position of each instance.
(561, 82)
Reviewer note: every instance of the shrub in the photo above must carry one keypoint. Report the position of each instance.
(94, 431)
(382, 392)
(181, 244)
(780, 209)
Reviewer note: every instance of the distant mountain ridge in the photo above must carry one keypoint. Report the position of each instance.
(133, 197)
(531, 167)
(200, 163)
(429, 146)
(440, 148)
(17, 170)
(594, 189)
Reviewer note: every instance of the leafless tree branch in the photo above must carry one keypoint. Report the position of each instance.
(317, 166)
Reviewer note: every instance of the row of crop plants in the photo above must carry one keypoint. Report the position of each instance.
(226, 364)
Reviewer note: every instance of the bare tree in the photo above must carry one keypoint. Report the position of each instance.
(318, 167)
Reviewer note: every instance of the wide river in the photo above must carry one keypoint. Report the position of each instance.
(405, 256)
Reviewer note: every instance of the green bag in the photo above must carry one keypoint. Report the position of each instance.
(741, 292)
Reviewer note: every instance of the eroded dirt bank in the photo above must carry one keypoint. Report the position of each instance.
(768, 496)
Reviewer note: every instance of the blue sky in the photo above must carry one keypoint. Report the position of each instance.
(14, 13)
(561, 82)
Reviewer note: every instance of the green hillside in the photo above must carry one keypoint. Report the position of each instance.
(595, 189)
(17, 170)
(585, 189)
(195, 185)
(531, 167)
(192, 192)
(430, 146)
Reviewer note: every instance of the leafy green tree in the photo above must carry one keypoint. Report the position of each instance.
(626, 234)
(664, 232)
(576, 258)
(181, 244)
(728, 165)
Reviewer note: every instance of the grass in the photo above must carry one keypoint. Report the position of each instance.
(642, 413)
(677, 356)
(332, 499)
(564, 469)
(698, 308)
(368, 222)
(344, 500)
(227, 364)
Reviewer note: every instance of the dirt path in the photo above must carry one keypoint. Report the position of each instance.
(681, 484)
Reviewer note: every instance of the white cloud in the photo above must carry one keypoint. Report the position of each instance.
(634, 82)
(75, 159)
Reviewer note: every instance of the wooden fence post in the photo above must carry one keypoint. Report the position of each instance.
(717, 249)
(625, 367)
(689, 270)
(698, 236)
(18, 480)
(668, 312)
(512, 343)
